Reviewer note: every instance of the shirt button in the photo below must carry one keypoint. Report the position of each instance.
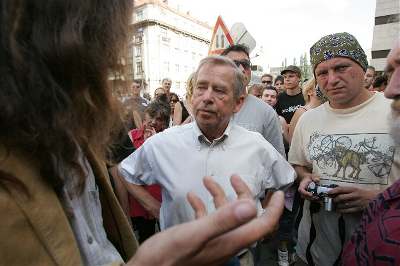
(90, 240)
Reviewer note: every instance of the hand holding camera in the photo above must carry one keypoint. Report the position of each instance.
(322, 193)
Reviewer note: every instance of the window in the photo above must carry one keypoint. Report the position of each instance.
(139, 68)
(138, 50)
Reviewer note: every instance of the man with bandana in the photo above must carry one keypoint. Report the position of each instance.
(345, 143)
(377, 240)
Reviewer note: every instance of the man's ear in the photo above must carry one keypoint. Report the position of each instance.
(238, 103)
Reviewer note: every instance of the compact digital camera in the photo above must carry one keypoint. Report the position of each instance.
(321, 191)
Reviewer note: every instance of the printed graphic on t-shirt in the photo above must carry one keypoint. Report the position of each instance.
(353, 158)
(291, 109)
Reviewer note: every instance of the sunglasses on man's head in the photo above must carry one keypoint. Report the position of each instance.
(246, 64)
(266, 81)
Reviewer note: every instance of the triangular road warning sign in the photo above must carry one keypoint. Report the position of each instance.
(220, 39)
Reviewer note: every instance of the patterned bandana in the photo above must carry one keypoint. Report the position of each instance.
(338, 45)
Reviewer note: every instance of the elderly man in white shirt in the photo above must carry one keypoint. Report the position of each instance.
(212, 145)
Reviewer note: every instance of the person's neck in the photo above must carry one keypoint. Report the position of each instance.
(363, 97)
(292, 92)
(214, 133)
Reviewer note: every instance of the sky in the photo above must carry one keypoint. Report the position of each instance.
(288, 28)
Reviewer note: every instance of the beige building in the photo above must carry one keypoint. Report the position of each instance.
(386, 31)
(166, 42)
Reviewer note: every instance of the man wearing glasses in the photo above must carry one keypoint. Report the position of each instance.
(266, 80)
(254, 114)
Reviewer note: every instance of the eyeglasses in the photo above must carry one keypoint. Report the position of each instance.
(174, 100)
(246, 64)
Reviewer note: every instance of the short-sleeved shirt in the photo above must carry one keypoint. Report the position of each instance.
(287, 105)
(255, 115)
(178, 158)
(348, 147)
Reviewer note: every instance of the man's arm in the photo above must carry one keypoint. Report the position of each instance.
(228, 230)
(136, 171)
(151, 204)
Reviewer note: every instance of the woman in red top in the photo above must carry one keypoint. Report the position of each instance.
(144, 218)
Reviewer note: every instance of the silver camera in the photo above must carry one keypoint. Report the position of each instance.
(321, 192)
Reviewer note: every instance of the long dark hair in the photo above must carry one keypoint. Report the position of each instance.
(55, 58)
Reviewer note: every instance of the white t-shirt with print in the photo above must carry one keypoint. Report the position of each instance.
(347, 147)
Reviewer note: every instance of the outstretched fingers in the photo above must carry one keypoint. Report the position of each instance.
(216, 191)
(240, 187)
(254, 230)
(197, 205)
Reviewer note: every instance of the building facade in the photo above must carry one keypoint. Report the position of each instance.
(165, 43)
(386, 31)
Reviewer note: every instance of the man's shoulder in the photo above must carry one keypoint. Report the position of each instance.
(247, 135)
(258, 105)
(176, 131)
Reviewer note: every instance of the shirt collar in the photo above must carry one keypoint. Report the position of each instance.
(201, 139)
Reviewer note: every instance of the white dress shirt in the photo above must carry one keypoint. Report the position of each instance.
(178, 158)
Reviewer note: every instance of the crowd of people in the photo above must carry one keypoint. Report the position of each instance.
(87, 179)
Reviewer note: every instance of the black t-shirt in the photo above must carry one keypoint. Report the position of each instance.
(287, 105)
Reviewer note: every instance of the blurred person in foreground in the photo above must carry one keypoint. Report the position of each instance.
(56, 202)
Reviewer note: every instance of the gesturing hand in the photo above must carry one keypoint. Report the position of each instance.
(213, 238)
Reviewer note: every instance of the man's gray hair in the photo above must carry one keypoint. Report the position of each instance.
(238, 81)
(166, 79)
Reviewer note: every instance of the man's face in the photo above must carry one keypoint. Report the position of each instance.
(270, 97)
(166, 85)
(154, 122)
(266, 81)
(243, 63)
(368, 78)
(392, 90)
(135, 87)
(291, 80)
(342, 81)
(213, 99)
